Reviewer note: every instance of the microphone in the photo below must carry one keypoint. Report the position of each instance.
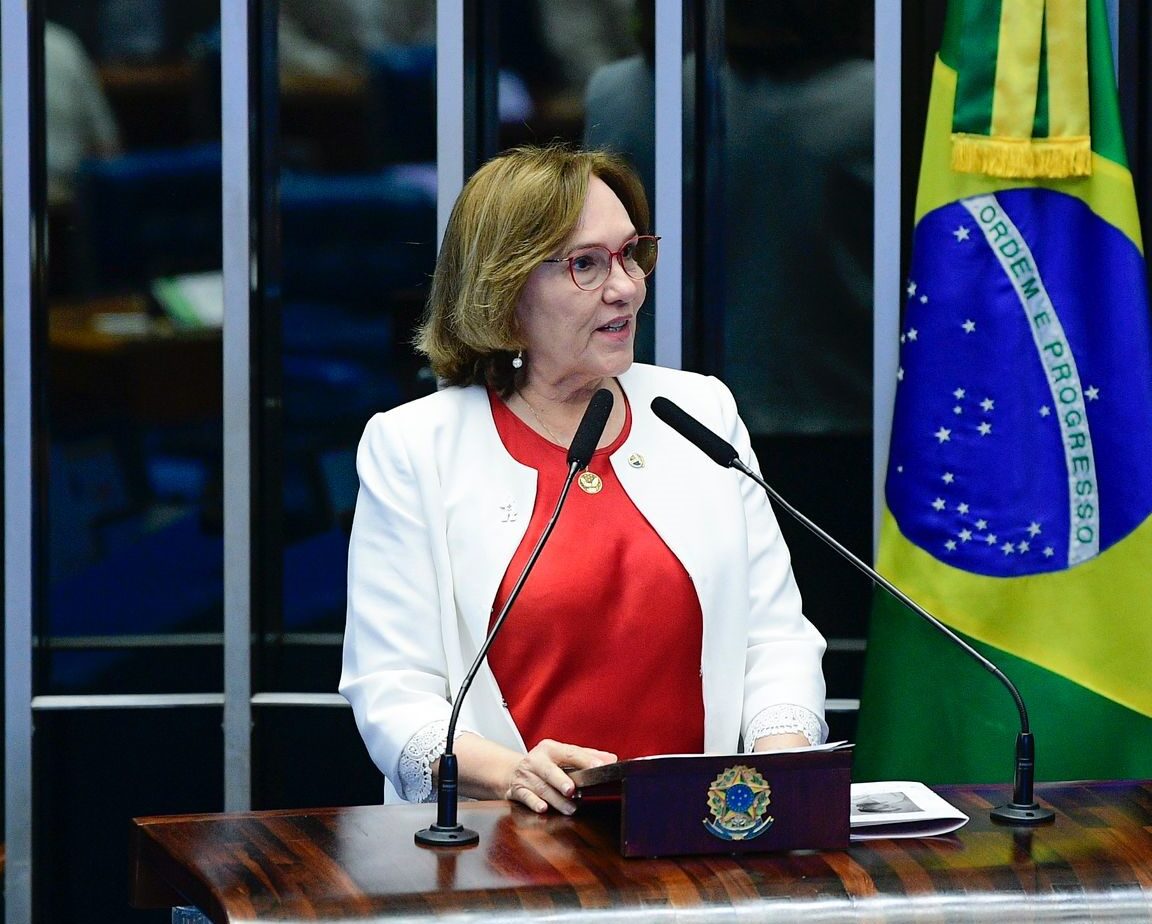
(590, 430)
(447, 830)
(1023, 809)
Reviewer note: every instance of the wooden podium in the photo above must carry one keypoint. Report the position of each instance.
(694, 805)
(360, 864)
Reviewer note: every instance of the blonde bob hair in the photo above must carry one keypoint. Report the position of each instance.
(514, 212)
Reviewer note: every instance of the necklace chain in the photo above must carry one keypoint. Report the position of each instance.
(539, 419)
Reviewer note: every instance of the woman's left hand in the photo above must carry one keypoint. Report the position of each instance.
(539, 780)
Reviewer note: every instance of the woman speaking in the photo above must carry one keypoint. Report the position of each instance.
(662, 617)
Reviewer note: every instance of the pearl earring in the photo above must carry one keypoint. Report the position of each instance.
(518, 360)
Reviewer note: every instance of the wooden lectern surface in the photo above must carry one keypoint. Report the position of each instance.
(360, 864)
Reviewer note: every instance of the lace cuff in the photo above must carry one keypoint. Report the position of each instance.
(415, 770)
(784, 719)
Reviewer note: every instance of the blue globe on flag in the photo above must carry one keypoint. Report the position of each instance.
(1019, 443)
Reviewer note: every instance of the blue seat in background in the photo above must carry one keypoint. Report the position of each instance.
(350, 243)
(403, 82)
(172, 580)
(323, 392)
(148, 214)
(355, 238)
(331, 329)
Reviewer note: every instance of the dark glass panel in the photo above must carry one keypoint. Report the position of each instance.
(311, 756)
(97, 770)
(356, 212)
(797, 85)
(131, 391)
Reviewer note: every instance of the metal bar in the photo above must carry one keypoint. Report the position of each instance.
(101, 642)
(308, 639)
(125, 701)
(449, 109)
(887, 243)
(18, 467)
(180, 640)
(235, 24)
(113, 701)
(669, 192)
(300, 699)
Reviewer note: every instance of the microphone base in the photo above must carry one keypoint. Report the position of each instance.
(1022, 815)
(451, 836)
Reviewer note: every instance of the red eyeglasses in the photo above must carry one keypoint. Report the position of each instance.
(591, 266)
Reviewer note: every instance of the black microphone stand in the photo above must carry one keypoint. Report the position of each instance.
(447, 831)
(1023, 809)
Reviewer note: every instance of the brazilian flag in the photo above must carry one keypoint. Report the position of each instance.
(1019, 481)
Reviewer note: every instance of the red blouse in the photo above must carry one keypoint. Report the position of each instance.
(602, 648)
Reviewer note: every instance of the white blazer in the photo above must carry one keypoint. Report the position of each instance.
(442, 508)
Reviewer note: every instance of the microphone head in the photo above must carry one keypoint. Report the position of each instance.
(714, 447)
(591, 428)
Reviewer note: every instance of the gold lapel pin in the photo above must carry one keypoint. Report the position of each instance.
(590, 482)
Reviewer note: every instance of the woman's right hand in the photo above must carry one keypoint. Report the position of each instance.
(538, 780)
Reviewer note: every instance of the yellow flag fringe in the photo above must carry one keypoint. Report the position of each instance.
(1022, 158)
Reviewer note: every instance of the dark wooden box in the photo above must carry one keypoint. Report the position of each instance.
(725, 804)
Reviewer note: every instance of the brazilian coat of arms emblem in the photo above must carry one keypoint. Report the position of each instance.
(738, 802)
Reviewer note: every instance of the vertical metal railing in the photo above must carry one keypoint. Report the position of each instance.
(887, 243)
(239, 272)
(449, 109)
(18, 460)
(669, 192)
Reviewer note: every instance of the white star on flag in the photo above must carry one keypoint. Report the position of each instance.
(1033, 529)
(911, 290)
(962, 509)
(943, 434)
(987, 404)
(985, 428)
(961, 233)
(958, 393)
(948, 477)
(938, 504)
(950, 545)
(965, 535)
(1092, 393)
(969, 326)
(1045, 411)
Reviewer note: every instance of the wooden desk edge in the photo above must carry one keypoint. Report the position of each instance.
(156, 880)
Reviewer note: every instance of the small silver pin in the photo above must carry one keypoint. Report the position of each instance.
(636, 460)
(509, 512)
